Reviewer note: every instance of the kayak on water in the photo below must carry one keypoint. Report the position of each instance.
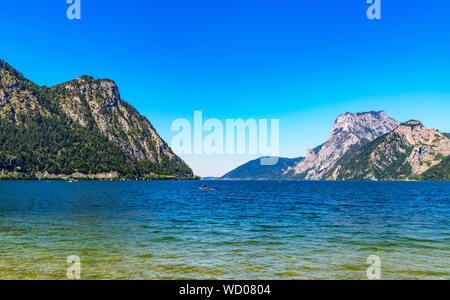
(205, 188)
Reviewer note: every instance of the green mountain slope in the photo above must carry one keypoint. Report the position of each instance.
(410, 152)
(254, 170)
(387, 164)
(439, 172)
(77, 129)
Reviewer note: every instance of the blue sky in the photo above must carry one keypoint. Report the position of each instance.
(303, 62)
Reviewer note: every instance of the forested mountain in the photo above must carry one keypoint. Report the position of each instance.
(255, 170)
(410, 152)
(77, 129)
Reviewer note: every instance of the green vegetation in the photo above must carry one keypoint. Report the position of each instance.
(385, 159)
(439, 172)
(254, 170)
(43, 139)
(404, 171)
(439, 156)
(390, 164)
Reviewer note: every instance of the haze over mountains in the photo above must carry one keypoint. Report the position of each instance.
(366, 146)
(81, 129)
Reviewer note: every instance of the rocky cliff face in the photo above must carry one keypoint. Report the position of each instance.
(17, 96)
(349, 132)
(365, 146)
(79, 127)
(97, 103)
(428, 145)
(405, 153)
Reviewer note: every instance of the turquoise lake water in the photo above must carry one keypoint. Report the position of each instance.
(239, 230)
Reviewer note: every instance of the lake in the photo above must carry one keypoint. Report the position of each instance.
(238, 230)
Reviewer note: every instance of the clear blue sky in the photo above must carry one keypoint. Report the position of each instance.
(303, 62)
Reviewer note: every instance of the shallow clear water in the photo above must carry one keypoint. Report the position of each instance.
(240, 230)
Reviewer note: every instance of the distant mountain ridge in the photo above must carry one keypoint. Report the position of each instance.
(370, 146)
(80, 128)
(254, 170)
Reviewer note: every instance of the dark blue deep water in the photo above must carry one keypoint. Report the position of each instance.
(239, 230)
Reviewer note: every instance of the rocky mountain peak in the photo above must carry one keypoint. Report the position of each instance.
(97, 103)
(17, 97)
(85, 78)
(116, 136)
(405, 153)
(412, 123)
(104, 92)
(415, 133)
(350, 130)
(368, 124)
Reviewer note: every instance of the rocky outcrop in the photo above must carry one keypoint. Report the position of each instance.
(349, 132)
(429, 145)
(404, 154)
(97, 103)
(365, 146)
(80, 128)
(15, 98)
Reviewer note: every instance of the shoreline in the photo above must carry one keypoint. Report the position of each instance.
(195, 178)
(112, 176)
